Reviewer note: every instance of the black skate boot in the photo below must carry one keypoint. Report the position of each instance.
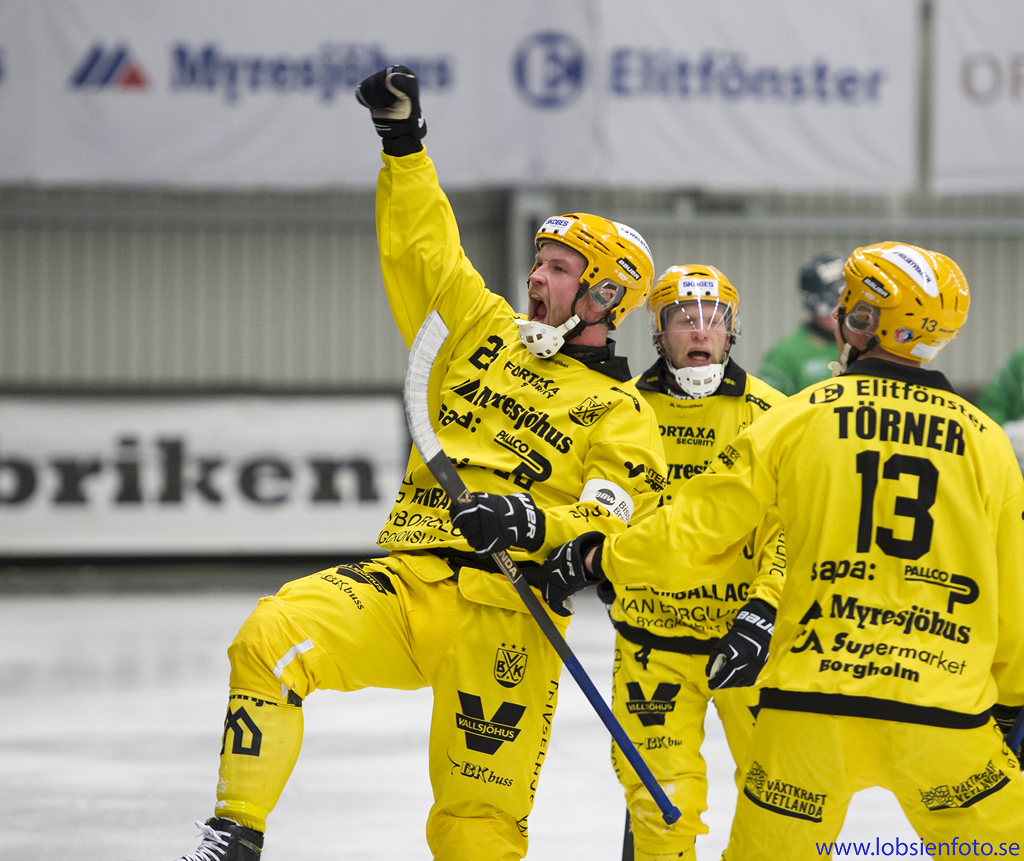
(224, 840)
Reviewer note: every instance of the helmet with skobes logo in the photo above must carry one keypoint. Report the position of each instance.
(698, 283)
(616, 255)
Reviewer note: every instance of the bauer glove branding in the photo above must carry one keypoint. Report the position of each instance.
(492, 523)
(738, 657)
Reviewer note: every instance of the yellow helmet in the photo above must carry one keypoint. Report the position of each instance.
(616, 255)
(913, 301)
(695, 282)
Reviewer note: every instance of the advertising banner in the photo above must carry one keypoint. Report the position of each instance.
(736, 94)
(207, 476)
(978, 127)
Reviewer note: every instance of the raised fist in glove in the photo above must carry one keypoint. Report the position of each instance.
(492, 523)
(1005, 717)
(565, 570)
(393, 97)
(737, 657)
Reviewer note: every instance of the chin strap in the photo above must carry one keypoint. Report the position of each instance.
(544, 341)
(700, 381)
(839, 367)
(697, 381)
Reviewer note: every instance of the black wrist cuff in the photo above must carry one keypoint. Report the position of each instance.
(594, 540)
(1005, 715)
(763, 608)
(402, 145)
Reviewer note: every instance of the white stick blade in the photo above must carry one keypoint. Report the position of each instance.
(425, 347)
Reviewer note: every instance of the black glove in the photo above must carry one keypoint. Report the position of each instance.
(393, 97)
(564, 571)
(1005, 717)
(492, 523)
(737, 657)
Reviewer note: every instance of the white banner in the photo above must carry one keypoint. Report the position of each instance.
(735, 94)
(978, 134)
(201, 476)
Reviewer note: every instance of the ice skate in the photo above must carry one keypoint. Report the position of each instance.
(224, 840)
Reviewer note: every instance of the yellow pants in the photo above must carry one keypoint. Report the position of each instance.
(951, 783)
(661, 698)
(379, 624)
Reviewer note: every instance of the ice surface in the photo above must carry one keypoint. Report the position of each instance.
(111, 708)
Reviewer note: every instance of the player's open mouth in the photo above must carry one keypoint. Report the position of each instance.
(538, 310)
(699, 357)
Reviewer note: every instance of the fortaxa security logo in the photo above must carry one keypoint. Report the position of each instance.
(109, 68)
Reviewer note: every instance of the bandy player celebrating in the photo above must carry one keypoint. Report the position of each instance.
(537, 413)
(667, 640)
(898, 654)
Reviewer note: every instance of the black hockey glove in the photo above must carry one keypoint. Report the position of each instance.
(564, 571)
(1005, 717)
(738, 657)
(393, 97)
(491, 523)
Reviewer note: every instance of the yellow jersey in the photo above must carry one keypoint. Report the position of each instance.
(904, 516)
(694, 431)
(571, 430)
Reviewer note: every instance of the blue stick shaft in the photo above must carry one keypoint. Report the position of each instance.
(669, 812)
(441, 468)
(422, 355)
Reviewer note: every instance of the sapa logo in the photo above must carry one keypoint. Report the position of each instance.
(109, 68)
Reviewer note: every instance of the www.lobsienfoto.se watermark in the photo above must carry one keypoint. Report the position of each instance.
(955, 848)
